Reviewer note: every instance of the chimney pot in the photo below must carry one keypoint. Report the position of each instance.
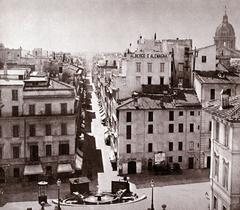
(224, 99)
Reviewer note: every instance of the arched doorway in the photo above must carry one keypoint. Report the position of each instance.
(2, 175)
(132, 168)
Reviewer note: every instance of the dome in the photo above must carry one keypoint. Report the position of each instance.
(225, 29)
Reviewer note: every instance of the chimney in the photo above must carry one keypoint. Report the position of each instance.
(135, 99)
(224, 99)
(155, 36)
(106, 63)
(5, 70)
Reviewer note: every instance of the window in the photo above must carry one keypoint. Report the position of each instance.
(15, 150)
(128, 148)
(171, 115)
(48, 150)
(229, 92)
(0, 112)
(226, 135)
(191, 145)
(180, 113)
(150, 146)
(15, 95)
(1, 152)
(48, 130)
(212, 94)
(180, 128)
(150, 128)
(0, 131)
(224, 208)
(149, 67)
(162, 67)
(171, 128)
(170, 146)
(209, 143)
(225, 174)
(161, 80)
(215, 203)
(149, 80)
(63, 108)
(129, 132)
(64, 149)
(15, 111)
(48, 109)
(180, 146)
(192, 113)
(15, 131)
(217, 131)
(180, 67)
(16, 172)
(32, 130)
(138, 66)
(150, 116)
(204, 59)
(210, 126)
(216, 166)
(63, 129)
(138, 80)
(0, 94)
(129, 116)
(32, 109)
(170, 159)
(191, 127)
(179, 159)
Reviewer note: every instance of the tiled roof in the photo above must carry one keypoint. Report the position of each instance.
(180, 99)
(232, 113)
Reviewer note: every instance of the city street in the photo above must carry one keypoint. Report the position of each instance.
(186, 196)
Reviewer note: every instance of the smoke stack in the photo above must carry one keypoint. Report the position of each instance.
(224, 99)
(5, 70)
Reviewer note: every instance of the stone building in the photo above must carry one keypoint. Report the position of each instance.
(167, 123)
(224, 175)
(37, 128)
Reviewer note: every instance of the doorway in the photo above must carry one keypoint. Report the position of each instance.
(132, 167)
(190, 162)
(208, 161)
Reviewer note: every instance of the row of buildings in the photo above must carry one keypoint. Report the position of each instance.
(39, 118)
(155, 101)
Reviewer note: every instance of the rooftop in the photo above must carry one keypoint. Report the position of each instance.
(178, 99)
(232, 113)
(217, 77)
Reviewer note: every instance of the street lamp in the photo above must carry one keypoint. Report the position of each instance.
(152, 185)
(59, 185)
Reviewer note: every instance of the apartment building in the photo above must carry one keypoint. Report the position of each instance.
(224, 175)
(161, 123)
(37, 128)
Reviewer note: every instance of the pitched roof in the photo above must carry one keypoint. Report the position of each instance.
(232, 113)
(180, 99)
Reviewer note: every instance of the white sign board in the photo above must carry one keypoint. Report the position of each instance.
(159, 157)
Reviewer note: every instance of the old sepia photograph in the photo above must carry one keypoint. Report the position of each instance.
(119, 105)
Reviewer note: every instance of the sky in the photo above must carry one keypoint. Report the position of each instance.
(110, 25)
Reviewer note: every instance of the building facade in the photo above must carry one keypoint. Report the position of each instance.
(224, 175)
(37, 128)
(151, 124)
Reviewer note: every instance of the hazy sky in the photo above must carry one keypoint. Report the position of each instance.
(110, 25)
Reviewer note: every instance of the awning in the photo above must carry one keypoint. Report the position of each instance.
(32, 170)
(78, 162)
(64, 168)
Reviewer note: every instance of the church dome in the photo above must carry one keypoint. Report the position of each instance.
(225, 29)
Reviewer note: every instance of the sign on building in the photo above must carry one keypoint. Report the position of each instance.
(159, 157)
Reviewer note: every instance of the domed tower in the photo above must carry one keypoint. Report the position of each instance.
(225, 35)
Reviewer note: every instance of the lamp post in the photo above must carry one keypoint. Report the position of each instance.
(59, 185)
(152, 185)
